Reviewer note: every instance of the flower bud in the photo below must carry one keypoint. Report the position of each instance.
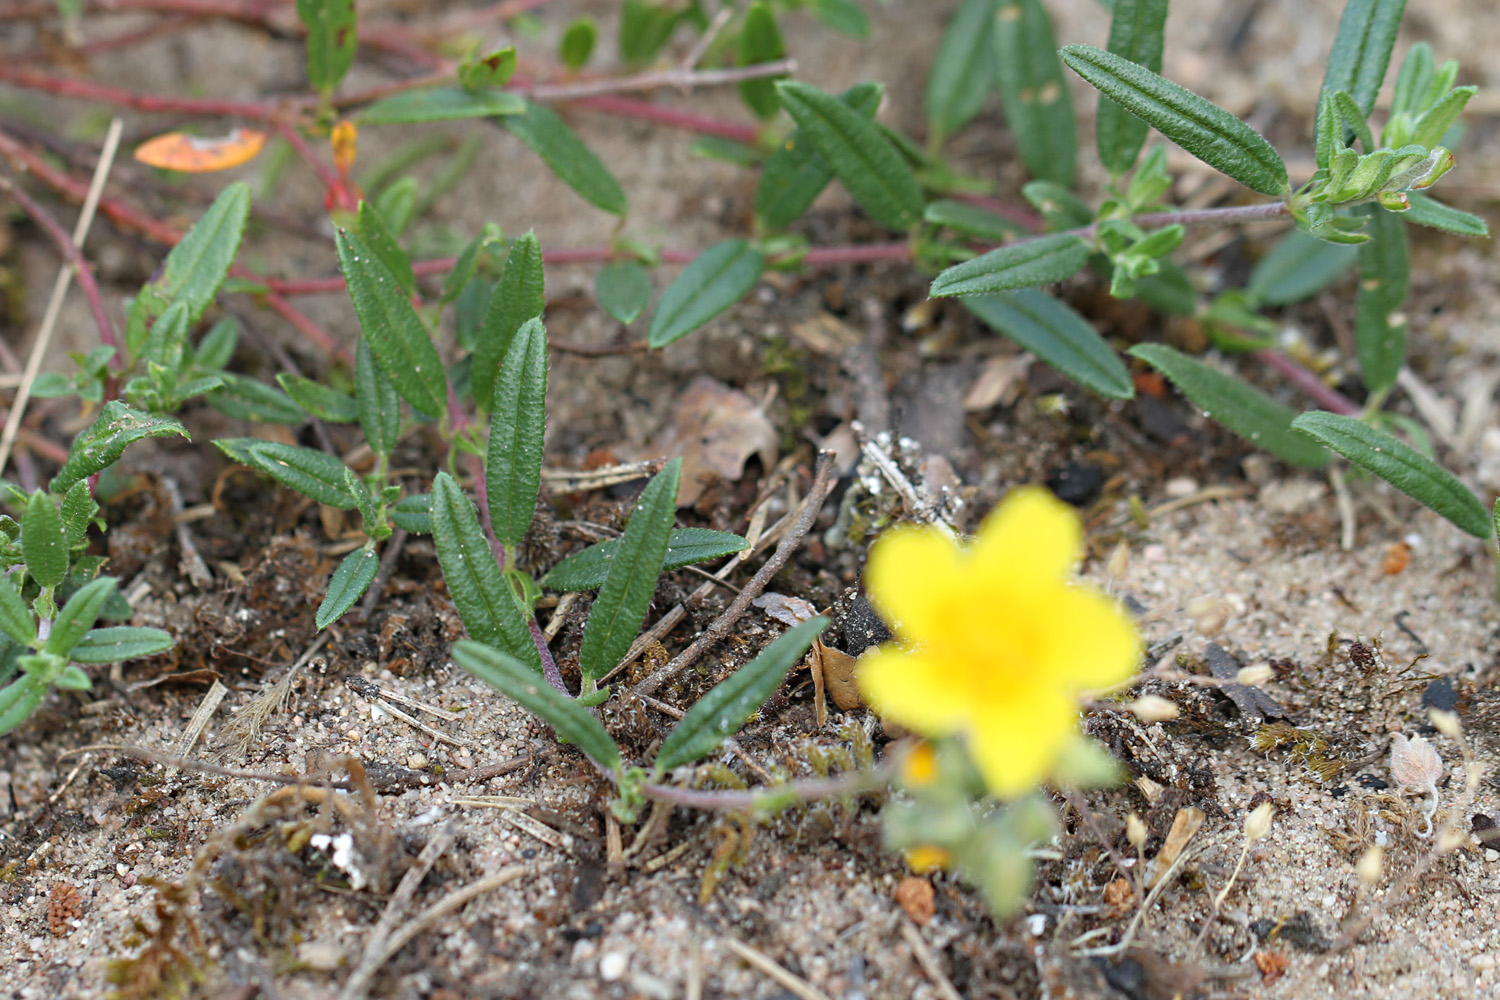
(1258, 823)
(1151, 708)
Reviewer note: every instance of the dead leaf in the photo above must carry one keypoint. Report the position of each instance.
(825, 334)
(1119, 897)
(1397, 558)
(1184, 825)
(999, 382)
(1272, 965)
(838, 678)
(715, 429)
(917, 898)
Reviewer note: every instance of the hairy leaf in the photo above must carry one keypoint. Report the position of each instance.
(586, 569)
(1033, 91)
(1057, 335)
(566, 156)
(1136, 32)
(1041, 261)
(348, 584)
(403, 348)
(518, 423)
(716, 279)
(105, 440)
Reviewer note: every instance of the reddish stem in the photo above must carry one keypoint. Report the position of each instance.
(629, 107)
(1315, 388)
(74, 256)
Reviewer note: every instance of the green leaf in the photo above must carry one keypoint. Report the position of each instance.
(378, 236)
(1057, 335)
(715, 280)
(1199, 126)
(484, 599)
(1242, 408)
(1384, 273)
(963, 71)
(100, 446)
(645, 29)
(168, 336)
(121, 642)
(402, 346)
(797, 173)
(620, 609)
(577, 42)
(414, 514)
(467, 263)
(1033, 91)
(586, 569)
(623, 290)
(518, 423)
(244, 398)
(73, 679)
(566, 156)
(77, 509)
(348, 584)
(491, 70)
(197, 265)
(723, 710)
(376, 401)
(1041, 261)
(18, 700)
(1427, 211)
(1412, 81)
(759, 42)
(315, 474)
(1136, 33)
(1298, 267)
(1405, 468)
(396, 204)
(1362, 50)
(844, 16)
(523, 685)
(440, 104)
(318, 399)
(331, 40)
(1061, 208)
(519, 295)
(78, 615)
(971, 220)
(16, 619)
(861, 157)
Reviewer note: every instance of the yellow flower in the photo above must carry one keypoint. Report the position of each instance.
(925, 859)
(994, 640)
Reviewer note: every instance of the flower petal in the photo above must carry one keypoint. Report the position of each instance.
(1093, 643)
(917, 691)
(913, 578)
(1031, 534)
(1015, 742)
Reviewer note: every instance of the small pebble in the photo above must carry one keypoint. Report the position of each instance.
(1182, 486)
(1490, 854)
(417, 761)
(612, 965)
(320, 955)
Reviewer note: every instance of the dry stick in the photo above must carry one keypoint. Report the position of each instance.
(720, 626)
(59, 289)
(413, 927)
(795, 985)
(359, 980)
(928, 961)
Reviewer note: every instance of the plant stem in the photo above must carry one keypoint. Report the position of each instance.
(1324, 395)
(747, 800)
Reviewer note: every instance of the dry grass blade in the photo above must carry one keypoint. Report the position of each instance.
(758, 960)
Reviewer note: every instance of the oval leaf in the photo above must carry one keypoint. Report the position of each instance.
(376, 401)
(79, 615)
(380, 238)
(115, 429)
(244, 398)
(525, 686)
(1384, 273)
(18, 700)
(963, 71)
(440, 104)
(1362, 50)
(485, 602)
(623, 290)
(1198, 125)
(121, 642)
(1041, 261)
(716, 279)
(759, 42)
(519, 295)
(413, 514)
(315, 474)
(1038, 108)
(586, 569)
(797, 173)
(721, 712)
(1242, 408)
(518, 423)
(402, 346)
(1057, 335)
(1298, 267)
(1137, 31)
(1428, 211)
(347, 585)
(331, 40)
(16, 619)
(199, 263)
(861, 157)
(616, 617)
(566, 156)
(971, 220)
(1405, 468)
(44, 545)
